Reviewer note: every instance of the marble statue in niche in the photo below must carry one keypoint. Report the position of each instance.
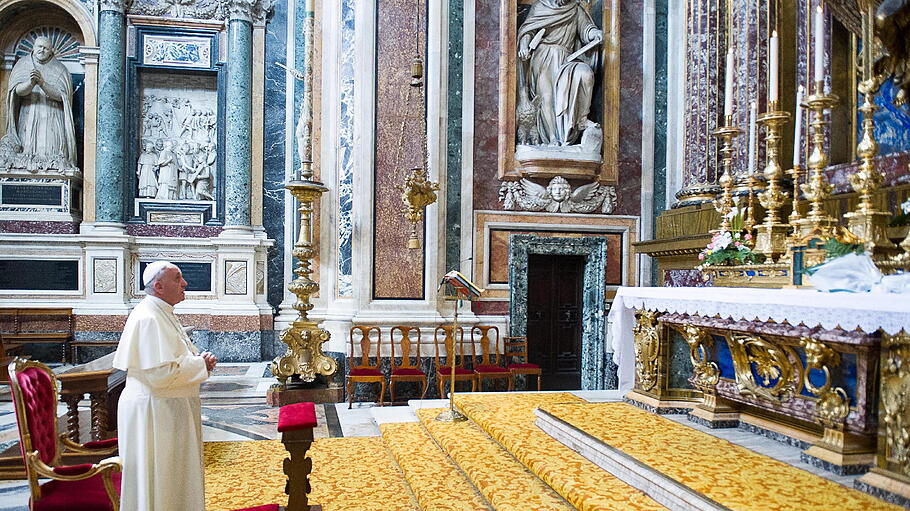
(557, 196)
(557, 59)
(183, 134)
(40, 133)
(148, 165)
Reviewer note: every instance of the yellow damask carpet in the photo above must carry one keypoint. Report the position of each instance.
(434, 479)
(729, 474)
(243, 474)
(357, 473)
(505, 482)
(509, 419)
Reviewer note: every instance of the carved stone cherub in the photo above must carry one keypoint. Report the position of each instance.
(557, 196)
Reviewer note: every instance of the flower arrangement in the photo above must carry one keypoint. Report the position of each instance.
(731, 247)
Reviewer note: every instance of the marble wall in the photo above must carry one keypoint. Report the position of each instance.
(398, 271)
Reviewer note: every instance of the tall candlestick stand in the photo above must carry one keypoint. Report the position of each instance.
(817, 189)
(751, 184)
(304, 358)
(795, 217)
(724, 204)
(771, 236)
(866, 222)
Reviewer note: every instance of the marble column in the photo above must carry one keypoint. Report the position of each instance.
(238, 128)
(109, 150)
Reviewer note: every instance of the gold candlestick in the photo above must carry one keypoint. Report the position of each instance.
(751, 184)
(771, 236)
(724, 205)
(866, 222)
(304, 357)
(817, 189)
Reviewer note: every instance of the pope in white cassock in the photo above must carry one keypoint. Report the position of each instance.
(158, 419)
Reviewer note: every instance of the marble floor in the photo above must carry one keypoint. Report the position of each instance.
(234, 409)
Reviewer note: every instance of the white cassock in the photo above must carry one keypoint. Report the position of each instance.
(158, 418)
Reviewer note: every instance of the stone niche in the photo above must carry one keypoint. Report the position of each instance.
(559, 90)
(177, 126)
(41, 126)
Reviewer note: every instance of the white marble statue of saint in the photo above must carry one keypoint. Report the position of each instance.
(40, 105)
(557, 47)
(202, 174)
(148, 165)
(167, 172)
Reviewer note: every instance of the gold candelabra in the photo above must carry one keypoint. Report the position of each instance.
(771, 236)
(817, 189)
(417, 194)
(724, 204)
(304, 358)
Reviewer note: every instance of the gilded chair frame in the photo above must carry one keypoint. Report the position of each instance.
(35, 468)
(365, 349)
(406, 346)
(489, 356)
(456, 356)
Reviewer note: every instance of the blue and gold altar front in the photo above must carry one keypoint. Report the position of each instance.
(824, 371)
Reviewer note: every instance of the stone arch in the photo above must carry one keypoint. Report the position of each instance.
(83, 19)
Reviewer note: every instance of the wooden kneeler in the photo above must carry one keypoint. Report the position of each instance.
(296, 423)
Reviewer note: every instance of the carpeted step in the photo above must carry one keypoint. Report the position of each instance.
(435, 481)
(357, 473)
(509, 419)
(244, 474)
(501, 479)
(695, 470)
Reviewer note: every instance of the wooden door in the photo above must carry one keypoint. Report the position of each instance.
(555, 284)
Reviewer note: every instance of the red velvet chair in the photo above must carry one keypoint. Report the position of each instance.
(365, 372)
(488, 368)
(409, 368)
(454, 354)
(517, 347)
(71, 487)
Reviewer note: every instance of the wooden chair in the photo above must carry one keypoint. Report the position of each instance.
(409, 369)
(453, 355)
(488, 368)
(85, 486)
(366, 372)
(521, 343)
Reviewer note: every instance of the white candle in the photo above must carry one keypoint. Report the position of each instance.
(772, 68)
(753, 112)
(728, 86)
(798, 129)
(819, 45)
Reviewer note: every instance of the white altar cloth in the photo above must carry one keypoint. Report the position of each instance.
(866, 311)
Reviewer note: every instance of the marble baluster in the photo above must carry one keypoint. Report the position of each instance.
(109, 152)
(238, 140)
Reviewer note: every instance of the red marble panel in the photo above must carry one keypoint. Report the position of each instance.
(398, 271)
(38, 227)
(497, 308)
(174, 231)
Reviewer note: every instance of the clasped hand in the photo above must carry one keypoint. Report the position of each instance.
(210, 360)
(35, 77)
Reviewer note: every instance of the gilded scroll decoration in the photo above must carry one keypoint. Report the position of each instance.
(895, 392)
(833, 404)
(647, 349)
(705, 373)
(772, 363)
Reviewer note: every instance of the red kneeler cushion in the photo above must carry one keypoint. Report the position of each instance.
(407, 371)
(444, 370)
(490, 369)
(84, 495)
(101, 444)
(296, 416)
(366, 372)
(524, 366)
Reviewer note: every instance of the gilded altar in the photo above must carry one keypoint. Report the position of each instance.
(824, 371)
